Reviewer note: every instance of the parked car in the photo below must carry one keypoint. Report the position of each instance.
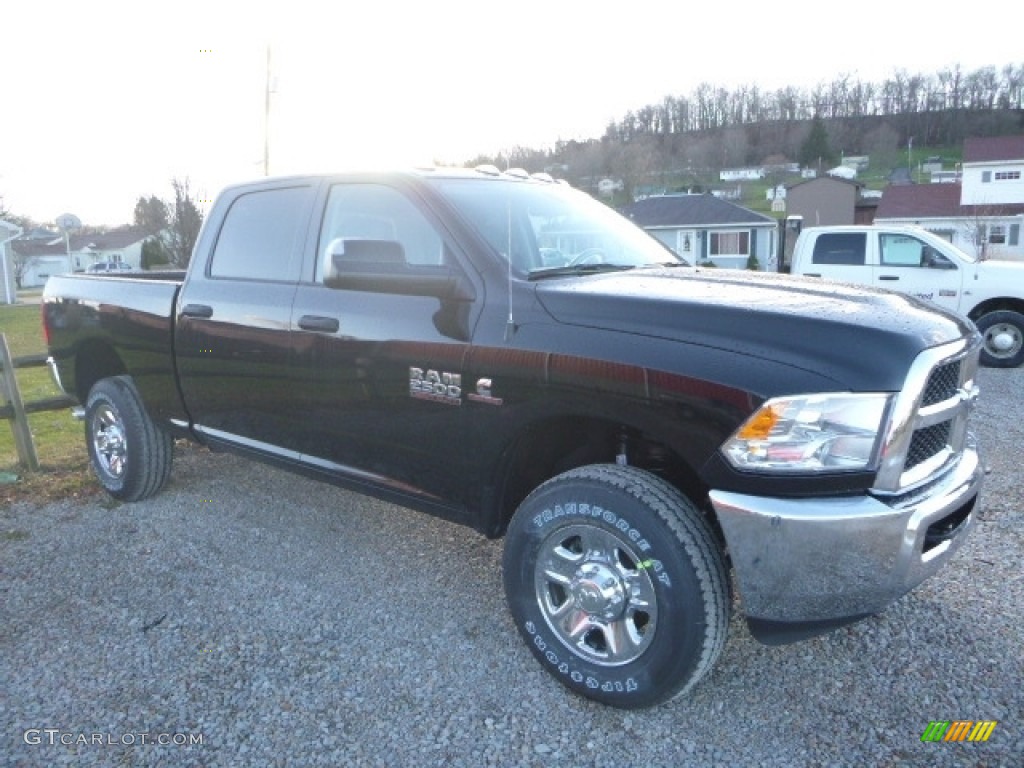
(106, 267)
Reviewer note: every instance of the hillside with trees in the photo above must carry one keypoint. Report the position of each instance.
(682, 142)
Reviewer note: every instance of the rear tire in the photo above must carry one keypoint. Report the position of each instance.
(130, 455)
(617, 585)
(1003, 332)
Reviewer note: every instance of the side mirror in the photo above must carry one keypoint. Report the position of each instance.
(379, 266)
(354, 251)
(933, 259)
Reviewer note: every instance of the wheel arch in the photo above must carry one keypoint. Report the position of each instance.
(994, 305)
(95, 360)
(557, 444)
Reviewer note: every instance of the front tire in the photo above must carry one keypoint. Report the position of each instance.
(1003, 332)
(617, 585)
(130, 455)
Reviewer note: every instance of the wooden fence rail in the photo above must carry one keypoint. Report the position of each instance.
(15, 410)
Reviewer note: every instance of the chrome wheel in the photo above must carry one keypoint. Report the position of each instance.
(130, 455)
(596, 594)
(108, 440)
(1003, 340)
(1002, 333)
(617, 584)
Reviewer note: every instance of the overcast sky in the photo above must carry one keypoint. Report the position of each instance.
(105, 101)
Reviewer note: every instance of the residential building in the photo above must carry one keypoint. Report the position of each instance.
(983, 214)
(8, 280)
(704, 228)
(843, 172)
(44, 256)
(828, 201)
(741, 174)
(993, 171)
(859, 163)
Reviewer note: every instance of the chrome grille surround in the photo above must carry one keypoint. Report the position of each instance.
(927, 427)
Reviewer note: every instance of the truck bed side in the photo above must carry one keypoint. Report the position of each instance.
(106, 326)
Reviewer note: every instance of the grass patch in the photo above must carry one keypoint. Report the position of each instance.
(23, 326)
(58, 438)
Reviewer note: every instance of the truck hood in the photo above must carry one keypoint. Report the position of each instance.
(860, 337)
(994, 271)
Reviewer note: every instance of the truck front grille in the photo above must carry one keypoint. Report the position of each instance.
(943, 383)
(928, 428)
(927, 442)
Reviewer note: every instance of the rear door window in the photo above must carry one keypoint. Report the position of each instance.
(262, 235)
(840, 248)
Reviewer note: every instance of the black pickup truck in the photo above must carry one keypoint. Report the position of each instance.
(504, 351)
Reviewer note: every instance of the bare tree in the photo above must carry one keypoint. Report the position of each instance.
(734, 147)
(185, 222)
(151, 215)
(21, 263)
(685, 138)
(1012, 96)
(700, 155)
(986, 228)
(636, 163)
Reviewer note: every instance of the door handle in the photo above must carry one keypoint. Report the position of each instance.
(197, 310)
(319, 323)
(888, 277)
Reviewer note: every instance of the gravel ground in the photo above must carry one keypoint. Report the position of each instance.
(285, 622)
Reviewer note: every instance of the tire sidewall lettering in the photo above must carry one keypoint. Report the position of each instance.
(561, 665)
(551, 652)
(594, 512)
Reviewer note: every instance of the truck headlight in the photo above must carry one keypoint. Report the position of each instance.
(810, 433)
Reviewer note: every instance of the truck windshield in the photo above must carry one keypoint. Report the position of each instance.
(551, 229)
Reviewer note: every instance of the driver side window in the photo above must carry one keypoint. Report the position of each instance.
(906, 251)
(901, 251)
(383, 216)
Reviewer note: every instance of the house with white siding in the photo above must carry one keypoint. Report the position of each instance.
(741, 174)
(8, 281)
(57, 255)
(983, 215)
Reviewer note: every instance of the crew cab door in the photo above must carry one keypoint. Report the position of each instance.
(910, 265)
(381, 327)
(232, 335)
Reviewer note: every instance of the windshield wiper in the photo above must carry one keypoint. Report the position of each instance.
(579, 269)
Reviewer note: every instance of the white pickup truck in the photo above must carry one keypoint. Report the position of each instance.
(913, 261)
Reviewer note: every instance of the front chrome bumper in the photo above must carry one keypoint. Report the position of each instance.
(807, 561)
